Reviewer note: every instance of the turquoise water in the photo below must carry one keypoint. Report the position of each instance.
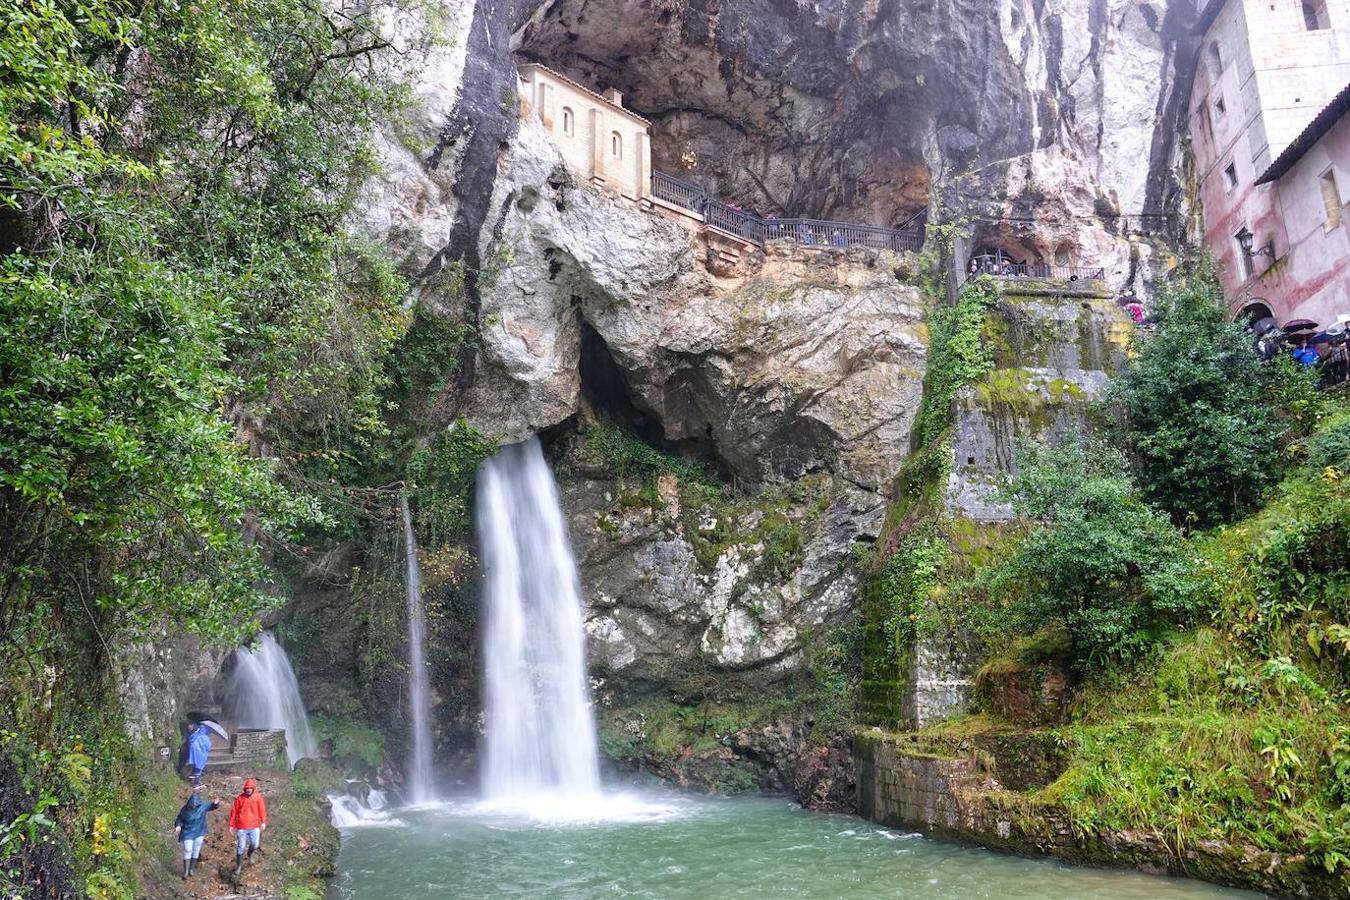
(676, 846)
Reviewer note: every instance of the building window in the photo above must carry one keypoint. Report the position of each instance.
(1215, 60)
(569, 122)
(1244, 241)
(1315, 15)
(1220, 107)
(1230, 177)
(1331, 198)
(616, 145)
(1206, 120)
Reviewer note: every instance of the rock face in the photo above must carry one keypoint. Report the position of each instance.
(793, 361)
(724, 590)
(1050, 126)
(1046, 130)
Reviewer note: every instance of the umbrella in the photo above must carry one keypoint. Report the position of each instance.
(209, 722)
(1261, 326)
(1322, 337)
(1299, 325)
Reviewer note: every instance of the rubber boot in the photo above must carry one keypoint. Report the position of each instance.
(191, 864)
(187, 868)
(238, 864)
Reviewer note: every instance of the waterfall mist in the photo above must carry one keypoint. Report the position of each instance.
(540, 736)
(420, 789)
(262, 693)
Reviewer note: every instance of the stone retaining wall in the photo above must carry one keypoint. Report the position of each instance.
(253, 748)
(902, 784)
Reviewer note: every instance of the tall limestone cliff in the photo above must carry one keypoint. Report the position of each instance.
(1047, 130)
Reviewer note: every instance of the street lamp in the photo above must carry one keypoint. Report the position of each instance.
(1245, 238)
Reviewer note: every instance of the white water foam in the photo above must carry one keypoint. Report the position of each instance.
(349, 812)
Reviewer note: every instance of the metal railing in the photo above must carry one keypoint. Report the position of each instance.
(1008, 269)
(681, 193)
(805, 232)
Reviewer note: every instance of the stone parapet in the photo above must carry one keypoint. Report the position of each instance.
(252, 748)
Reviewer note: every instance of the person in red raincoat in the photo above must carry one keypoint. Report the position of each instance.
(248, 820)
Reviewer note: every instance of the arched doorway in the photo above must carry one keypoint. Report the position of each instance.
(1254, 311)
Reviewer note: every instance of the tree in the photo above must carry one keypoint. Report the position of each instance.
(1203, 418)
(1101, 561)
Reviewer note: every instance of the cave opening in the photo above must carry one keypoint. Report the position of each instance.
(605, 393)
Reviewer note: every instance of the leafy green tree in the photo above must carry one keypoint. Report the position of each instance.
(192, 341)
(1203, 417)
(179, 292)
(1103, 562)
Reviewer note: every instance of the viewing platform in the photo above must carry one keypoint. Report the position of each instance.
(1038, 279)
(738, 223)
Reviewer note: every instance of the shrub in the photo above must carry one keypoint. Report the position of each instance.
(357, 746)
(1203, 417)
(1108, 566)
(442, 476)
(628, 455)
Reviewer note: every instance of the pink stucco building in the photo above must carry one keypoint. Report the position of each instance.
(1271, 140)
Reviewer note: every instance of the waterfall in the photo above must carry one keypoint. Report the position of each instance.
(540, 736)
(419, 685)
(262, 693)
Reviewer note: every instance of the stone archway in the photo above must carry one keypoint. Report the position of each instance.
(1254, 311)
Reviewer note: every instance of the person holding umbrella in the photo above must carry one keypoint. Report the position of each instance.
(189, 828)
(199, 748)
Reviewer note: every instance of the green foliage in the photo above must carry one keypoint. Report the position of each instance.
(1284, 572)
(1204, 418)
(424, 358)
(958, 355)
(170, 283)
(835, 661)
(1211, 745)
(1329, 448)
(1108, 566)
(905, 586)
(193, 346)
(312, 779)
(442, 478)
(357, 746)
(626, 455)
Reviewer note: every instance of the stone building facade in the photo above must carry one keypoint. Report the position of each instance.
(599, 139)
(1266, 69)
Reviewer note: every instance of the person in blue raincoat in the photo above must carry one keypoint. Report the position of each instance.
(199, 747)
(190, 828)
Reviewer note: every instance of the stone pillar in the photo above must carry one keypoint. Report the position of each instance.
(598, 138)
(642, 166)
(546, 98)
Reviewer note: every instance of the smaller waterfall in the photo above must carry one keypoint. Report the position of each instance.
(419, 684)
(262, 693)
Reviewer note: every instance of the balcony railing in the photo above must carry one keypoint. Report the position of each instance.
(1008, 269)
(805, 232)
